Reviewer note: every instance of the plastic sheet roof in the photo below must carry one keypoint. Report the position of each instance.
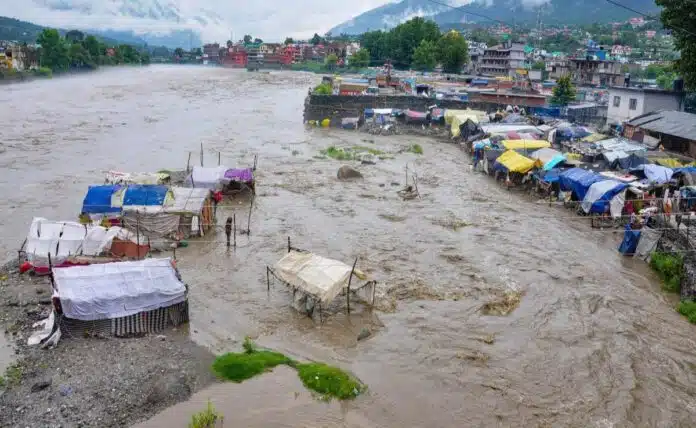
(670, 122)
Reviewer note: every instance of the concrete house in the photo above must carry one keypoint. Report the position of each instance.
(503, 60)
(627, 103)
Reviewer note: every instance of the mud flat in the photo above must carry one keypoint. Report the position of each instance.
(89, 381)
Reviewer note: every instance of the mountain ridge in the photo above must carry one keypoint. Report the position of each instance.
(512, 12)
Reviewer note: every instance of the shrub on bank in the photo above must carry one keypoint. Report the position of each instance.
(208, 418)
(43, 72)
(670, 268)
(688, 309)
(323, 89)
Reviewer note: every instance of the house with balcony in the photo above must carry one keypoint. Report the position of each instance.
(503, 60)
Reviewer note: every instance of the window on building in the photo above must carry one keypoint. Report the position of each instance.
(617, 101)
(632, 104)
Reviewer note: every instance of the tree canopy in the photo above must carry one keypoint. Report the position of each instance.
(453, 52)
(404, 46)
(76, 51)
(564, 92)
(678, 16)
(360, 59)
(289, 40)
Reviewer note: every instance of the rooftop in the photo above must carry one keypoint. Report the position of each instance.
(669, 122)
(645, 90)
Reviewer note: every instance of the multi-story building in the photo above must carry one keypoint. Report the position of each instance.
(503, 60)
(211, 52)
(476, 51)
(591, 71)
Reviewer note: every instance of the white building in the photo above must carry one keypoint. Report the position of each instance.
(627, 103)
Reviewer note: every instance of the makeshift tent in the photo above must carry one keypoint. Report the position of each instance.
(653, 173)
(578, 181)
(614, 156)
(669, 162)
(349, 122)
(195, 208)
(66, 239)
(98, 200)
(241, 175)
(411, 116)
(117, 290)
(525, 144)
(437, 115)
(550, 176)
(117, 177)
(318, 279)
(206, 177)
(629, 162)
(511, 161)
(372, 112)
(594, 137)
(549, 158)
(145, 195)
(604, 196)
(490, 157)
(647, 242)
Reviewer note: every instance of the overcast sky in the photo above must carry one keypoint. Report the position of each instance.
(268, 19)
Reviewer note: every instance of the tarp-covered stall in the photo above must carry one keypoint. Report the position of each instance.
(549, 158)
(578, 181)
(605, 196)
(525, 144)
(319, 280)
(415, 117)
(195, 209)
(511, 161)
(207, 177)
(135, 297)
(237, 179)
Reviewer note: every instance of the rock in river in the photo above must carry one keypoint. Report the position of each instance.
(347, 173)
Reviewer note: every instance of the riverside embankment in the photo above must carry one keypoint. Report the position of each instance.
(593, 342)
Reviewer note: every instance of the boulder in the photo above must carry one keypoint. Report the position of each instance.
(347, 173)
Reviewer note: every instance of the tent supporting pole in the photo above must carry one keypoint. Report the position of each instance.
(188, 163)
(218, 158)
(268, 279)
(137, 232)
(234, 228)
(201, 155)
(350, 278)
(288, 244)
(251, 206)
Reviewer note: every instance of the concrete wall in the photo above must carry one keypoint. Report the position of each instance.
(646, 102)
(319, 107)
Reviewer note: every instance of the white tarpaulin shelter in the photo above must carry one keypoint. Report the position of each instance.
(114, 290)
(315, 275)
(604, 188)
(187, 200)
(207, 177)
(62, 239)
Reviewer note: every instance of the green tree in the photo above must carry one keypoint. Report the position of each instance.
(666, 79)
(331, 61)
(257, 40)
(360, 59)
(403, 40)
(289, 41)
(375, 43)
(247, 39)
(54, 50)
(482, 35)
(180, 52)
(539, 65)
(425, 56)
(654, 70)
(80, 57)
(453, 52)
(145, 58)
(678, 16)
(316, 39)
(95, 49)
(564, 92)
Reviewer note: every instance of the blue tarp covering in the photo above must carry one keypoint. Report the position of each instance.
(550, 176)
(600, 194)
(145, 195)
(685, 170)
(554, 162)
(578, 180)
(479, 82)
(630, 241)
(545, 111)
(98, 199)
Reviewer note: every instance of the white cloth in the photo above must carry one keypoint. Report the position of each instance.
(114, 290)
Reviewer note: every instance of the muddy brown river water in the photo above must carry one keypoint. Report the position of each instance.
(594, 342)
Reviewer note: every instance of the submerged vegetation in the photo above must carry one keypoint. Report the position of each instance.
(415, 148)
(349, 153)
(208, 418)
(670, 269)
(330, 382)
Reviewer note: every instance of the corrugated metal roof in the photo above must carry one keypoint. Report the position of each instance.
(677, 123)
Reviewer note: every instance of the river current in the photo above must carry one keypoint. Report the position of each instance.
(594, 341)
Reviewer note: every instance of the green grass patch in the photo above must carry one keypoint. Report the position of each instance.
(330, 382)
(670, 268)
(349, 153)
(415, 148)
(13, 375)
(323, 89)
(688, 309)
(239, 367)
(207, 418)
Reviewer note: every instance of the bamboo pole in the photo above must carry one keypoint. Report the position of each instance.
(350, 278)
(137, 232)
(188, 162)
(251, 206)
(201, 154)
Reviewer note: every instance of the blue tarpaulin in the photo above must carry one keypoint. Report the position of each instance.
(479, 82)
(630, 241)
(554, 162)
(98, 199)
(550, 176)
(145, 195)
(599, 194)
(579, 181)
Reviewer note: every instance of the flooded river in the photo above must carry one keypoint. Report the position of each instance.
(594, 341)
